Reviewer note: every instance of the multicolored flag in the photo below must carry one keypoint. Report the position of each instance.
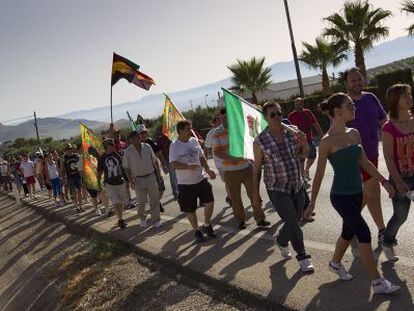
(244, 122)
(124, 68)
(170, 118)
(92, 147)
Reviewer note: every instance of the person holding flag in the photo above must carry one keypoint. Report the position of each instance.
(236, 171)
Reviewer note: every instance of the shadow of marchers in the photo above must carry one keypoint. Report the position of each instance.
(281, 284)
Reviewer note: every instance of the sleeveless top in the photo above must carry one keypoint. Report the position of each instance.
(347, 175)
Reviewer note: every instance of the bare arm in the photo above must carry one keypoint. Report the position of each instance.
(204, 164)
(320, 169)
(318, 129)
(317, 179)
(160, 156)
(387, 146)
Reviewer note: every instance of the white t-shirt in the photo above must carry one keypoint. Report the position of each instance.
(187, 153)
(28, 168)
(52, 170)
(209, 144)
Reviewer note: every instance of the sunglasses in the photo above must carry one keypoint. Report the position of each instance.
(274, 114)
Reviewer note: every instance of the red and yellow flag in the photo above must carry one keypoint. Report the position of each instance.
(92, 147)
(170, 119)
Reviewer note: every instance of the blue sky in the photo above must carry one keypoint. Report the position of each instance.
(56, 55)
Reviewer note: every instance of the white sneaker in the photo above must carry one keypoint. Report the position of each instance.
(157, 224)
(389, 253)
(143, 223)
(340, 271)
(306, 265)
(98, 212)
(384, 287)
(284, 250)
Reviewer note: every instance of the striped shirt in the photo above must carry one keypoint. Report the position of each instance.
(281, 161)
(220, 140)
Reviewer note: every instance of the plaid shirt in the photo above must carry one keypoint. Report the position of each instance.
(281, 161)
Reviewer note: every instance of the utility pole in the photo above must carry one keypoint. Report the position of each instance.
(37, 130)
(295, 54)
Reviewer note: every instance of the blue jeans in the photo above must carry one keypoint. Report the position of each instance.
(290, 206)
(401, 205)
(173, 181)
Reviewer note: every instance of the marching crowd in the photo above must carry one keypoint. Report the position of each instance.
(283, 153)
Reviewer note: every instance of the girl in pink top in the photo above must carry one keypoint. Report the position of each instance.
(398, 147)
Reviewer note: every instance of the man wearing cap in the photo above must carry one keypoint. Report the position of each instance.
(141, 166)
(143, 132)
(110, 164)
(73, 175)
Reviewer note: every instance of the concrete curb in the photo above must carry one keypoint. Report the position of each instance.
(183, 274)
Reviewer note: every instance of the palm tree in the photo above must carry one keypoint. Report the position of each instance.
(408, 7)
(322, 55)
(250, 76)
(360, 24)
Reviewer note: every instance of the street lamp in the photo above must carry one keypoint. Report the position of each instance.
(295, 55)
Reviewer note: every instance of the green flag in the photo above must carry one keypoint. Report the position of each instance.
(244, 123)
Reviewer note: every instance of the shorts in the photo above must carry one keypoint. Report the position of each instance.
(160, 182)
(30, 180)
(93, 193)
(312, 151)
(364, 173)
(117, 193)
(75, 182)
(188, 195)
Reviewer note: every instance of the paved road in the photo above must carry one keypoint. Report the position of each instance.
(325, 229)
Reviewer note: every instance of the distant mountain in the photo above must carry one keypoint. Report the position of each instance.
(152, 105)
(57, 128)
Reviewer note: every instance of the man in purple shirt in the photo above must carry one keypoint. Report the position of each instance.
(369, 119)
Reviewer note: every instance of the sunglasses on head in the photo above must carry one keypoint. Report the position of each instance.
(274, 114)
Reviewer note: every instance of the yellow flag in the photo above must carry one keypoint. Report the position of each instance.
(92, 147)
(170, 118)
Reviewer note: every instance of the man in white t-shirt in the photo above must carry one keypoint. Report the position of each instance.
(187, 158)
(28, 169)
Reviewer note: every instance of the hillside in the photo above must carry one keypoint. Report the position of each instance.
(57, 128)
(152, 105)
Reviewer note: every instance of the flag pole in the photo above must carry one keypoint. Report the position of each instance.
(36, 128)
(112, 120)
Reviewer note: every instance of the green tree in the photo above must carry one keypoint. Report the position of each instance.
(322, 55)
(250, 76)
(360, 24)
(407, 6)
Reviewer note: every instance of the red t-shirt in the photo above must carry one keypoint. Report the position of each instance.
(120, 147)
(304, 120)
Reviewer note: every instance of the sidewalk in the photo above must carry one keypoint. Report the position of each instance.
(247, 263)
